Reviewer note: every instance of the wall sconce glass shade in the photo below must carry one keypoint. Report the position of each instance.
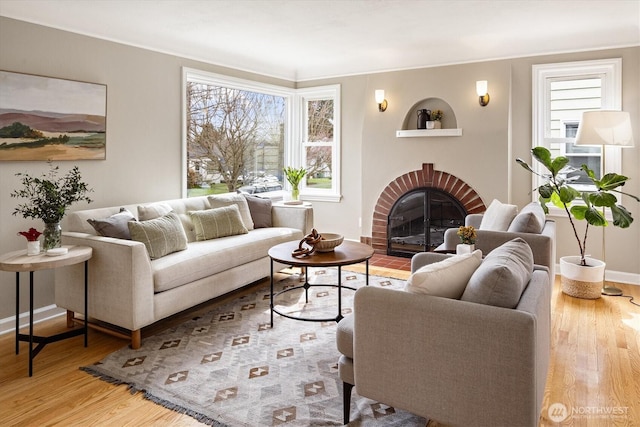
(382, 103)
(605, 128)
(481, 90)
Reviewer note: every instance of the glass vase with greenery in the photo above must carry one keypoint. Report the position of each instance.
(294, 176)
(48, 198)
(557, 190)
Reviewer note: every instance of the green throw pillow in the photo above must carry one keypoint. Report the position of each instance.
(218, 222)
(161, 236)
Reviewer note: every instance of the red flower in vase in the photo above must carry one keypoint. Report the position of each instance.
(31, 235)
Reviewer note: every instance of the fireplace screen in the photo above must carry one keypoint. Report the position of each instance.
(418, 220)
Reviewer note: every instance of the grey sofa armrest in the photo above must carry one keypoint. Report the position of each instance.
(451, 360)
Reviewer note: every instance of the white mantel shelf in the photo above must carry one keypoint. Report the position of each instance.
(415, 133)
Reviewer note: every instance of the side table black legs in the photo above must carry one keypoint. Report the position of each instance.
(42, 341)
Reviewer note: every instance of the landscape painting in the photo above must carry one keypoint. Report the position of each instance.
(44, 118)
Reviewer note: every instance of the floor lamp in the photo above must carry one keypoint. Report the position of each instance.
(605, 128)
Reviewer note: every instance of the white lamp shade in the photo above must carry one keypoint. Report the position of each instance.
(379, 96)
(605, 128)
(482, 87)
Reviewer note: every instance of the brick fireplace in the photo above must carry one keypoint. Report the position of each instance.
(427, 177)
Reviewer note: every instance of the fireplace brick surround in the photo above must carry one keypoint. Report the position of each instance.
(427, 177)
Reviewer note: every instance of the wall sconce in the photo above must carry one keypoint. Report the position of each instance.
(481, 89)
(382, 103)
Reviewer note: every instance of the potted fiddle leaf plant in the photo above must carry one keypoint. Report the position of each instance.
(48, 198)
(294, 176)
(582, 276)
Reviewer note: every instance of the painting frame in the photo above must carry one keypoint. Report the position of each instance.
(51, 119)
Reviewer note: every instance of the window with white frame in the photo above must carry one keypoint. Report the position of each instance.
(561, 93)
(240, 134)
(320, 141)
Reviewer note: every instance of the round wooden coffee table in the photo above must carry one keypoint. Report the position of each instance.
(346, 254)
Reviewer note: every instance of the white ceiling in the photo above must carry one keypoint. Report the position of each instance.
(309, 39)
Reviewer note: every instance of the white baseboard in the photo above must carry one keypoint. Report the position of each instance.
(8, 324)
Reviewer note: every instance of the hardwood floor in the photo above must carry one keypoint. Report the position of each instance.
(594, 371)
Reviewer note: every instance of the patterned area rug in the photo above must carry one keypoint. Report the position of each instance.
(229, 368)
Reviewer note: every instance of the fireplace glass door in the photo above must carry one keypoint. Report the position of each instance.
(418, 220)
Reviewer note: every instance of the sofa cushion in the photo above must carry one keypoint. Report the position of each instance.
(260, 209)
(447, 278)
(502, 277)
(206, 258)
(498, 216)
(161, 236)
(114, 225)
(153, 211)
(217, 222)
(531, 219)
(222, 200)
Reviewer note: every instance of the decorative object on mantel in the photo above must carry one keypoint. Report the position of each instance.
(48, 199)
(556, 189)
(294, 176)
(311, 240)
(424, 116)
(436, 117)
(33, 244)
(468, 238)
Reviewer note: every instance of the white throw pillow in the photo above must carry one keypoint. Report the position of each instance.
(447, 278)
(498, 216)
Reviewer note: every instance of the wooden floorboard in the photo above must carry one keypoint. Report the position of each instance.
(594, 370)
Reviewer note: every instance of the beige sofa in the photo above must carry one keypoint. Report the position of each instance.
(454, 361)
(128, 290)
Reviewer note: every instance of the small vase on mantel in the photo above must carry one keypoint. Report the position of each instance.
(462, 249)
(52, 236)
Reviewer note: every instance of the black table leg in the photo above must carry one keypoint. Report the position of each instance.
(31, 323)
(17, 312)
(367, 272)
(86, 303)
(271, 301)
(339, 316)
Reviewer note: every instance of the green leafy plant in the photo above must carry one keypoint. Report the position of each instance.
(557, 190)
(436, 114)
(294, 175)
(49, 196)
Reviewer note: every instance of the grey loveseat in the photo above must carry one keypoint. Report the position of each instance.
(457, 362)
(129, 290)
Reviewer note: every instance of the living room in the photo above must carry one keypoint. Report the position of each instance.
(144, 116)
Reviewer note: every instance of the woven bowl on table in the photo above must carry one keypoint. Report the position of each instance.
(329, 242)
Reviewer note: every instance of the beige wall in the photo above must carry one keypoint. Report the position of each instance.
(144, 134)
